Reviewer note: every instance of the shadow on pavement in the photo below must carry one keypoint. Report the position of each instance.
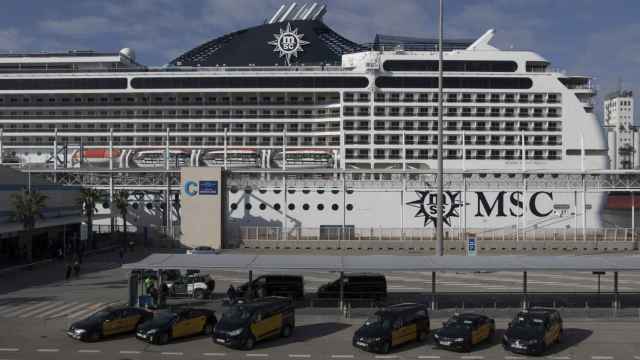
(305, 333)
(53, 274)
(570, 337)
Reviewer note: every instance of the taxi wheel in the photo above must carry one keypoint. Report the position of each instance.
(386, 347)
(199, 294)
(250, 343)
(163, 339)
(467, 346)
(422, 336)
(208, 328)
(286, 331)
(94, 336)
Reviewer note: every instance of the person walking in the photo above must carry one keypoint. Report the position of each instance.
(148, 283)
(232, 294)
(76, 267)
(67, 273)
(121, 253)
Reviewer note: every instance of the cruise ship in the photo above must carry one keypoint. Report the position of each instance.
(294, 94)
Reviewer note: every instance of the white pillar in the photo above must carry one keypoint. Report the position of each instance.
(167, 155)
(404, 186)
(464, 152)
(284, 207)
(524, 151)
(633, 219)
(582, 152)
(55, 149)
(284, 149)
(1, 150)
(524, 209)
(224, 152)
(612, 143)
(584, 208)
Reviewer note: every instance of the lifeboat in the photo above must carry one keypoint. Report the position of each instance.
(236, 158)
(306, 159)
(95, 156)
(156, 158)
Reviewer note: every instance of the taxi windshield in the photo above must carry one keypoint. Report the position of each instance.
(528, 322)
(379, 320)
(100, 315)
(459, 322)
(237, 313)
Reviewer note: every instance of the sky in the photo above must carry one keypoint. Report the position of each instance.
(582, 37)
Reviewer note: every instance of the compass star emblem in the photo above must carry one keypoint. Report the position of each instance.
(288, 43)
(427, 208)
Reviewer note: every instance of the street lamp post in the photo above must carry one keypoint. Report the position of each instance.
(440, 197)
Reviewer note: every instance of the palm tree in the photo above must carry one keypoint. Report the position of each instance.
(27, 209)
(121, 202)
(88, 199)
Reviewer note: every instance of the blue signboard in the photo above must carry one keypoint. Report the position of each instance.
(208, 187)
(471, 246)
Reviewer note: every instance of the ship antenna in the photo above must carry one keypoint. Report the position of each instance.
(440, 197)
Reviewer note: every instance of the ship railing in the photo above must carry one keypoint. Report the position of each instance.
(258, 233)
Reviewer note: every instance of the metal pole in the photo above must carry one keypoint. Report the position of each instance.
(525, 301)
(440, 197)
(584, 208)
(1, 150)
(434, 302)
(344, 209)
(616, 299)
(55, 149)
(633, 220)
(598, 283)
(224, 153)
(250, 287)
(111, 182)
(284, 207)
(341, 295)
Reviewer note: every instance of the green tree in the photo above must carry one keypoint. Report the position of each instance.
(27, 209)
(121, 202)
(88, 199)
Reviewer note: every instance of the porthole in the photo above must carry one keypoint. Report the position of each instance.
(305, 207)
(149, 206)
(349, 192)
(320, 191)
(262, 191)
(349, 207)
(277, 191)
(276, 206)
(247, 191)
(234, 206)
(291, 191)
(497, 176)
(555, 176)
(483, 175)
(306, 191)
(135, 206)
(263, 206)
(512, 175)
(335, 207)
(320, 207)
(247, 206)
(540, 176)
(234, 189)
(335, 192)
(291, 207)
(105, 205)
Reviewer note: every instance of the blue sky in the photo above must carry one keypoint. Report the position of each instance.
(586, 37)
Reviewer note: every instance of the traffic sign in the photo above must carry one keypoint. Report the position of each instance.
(472, 249)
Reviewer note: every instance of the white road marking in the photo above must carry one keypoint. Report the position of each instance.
(342, 356)
(257, 355)
(45, 308)
(305, 356)
(386, 356)
(470, 357)
(429, 357)
(598, 357)
(560, 357)
(9, 349)
(57, 309)
(91, 308)
(171, 353)
(513, 357)
(214, 354)
(10, 310)
(129, 352)
(89, 351)
(25, 309)
(47, 350)
(69, 310)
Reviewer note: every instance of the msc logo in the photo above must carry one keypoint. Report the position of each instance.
(191, 188)
(428, 209)
(288, 43)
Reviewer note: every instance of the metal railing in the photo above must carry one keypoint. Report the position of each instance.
(261, 233)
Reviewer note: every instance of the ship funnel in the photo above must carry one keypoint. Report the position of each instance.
(288, 12)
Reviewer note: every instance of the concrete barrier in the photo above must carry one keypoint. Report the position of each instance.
(451, 246)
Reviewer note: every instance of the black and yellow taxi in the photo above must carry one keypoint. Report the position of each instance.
(107, 322)
(392, 326)
(533, 331)
(168, 325)
(463, 331)
(247, 322)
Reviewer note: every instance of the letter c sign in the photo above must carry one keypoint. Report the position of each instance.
(191, 188)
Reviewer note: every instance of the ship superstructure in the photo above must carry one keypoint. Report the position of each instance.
(294, 94)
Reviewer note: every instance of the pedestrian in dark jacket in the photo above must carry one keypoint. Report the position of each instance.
(232, 294)
(67, 272)
(76, 268)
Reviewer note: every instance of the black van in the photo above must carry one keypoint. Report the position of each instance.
(356, 286)
(245, 323)
(393, 326)
(291, 286)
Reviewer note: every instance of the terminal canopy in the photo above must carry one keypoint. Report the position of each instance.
(387, 263)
